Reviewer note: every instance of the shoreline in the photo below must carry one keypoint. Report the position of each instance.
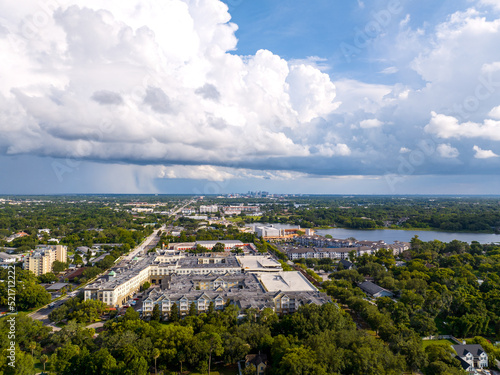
(404, 229)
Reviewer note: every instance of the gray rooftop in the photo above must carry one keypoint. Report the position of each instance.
(57, 286)
(474, 349)
(371, 288)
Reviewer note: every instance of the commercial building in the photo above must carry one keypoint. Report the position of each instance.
(271, 232)
(40, 261)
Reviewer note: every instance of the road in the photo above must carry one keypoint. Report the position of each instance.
(139, 250)
(43, 313)
(143, 247)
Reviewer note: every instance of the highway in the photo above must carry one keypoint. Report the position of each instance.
(143, 247)
(140, 250)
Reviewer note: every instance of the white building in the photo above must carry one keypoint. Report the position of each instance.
(268, 231)
(209, 209)
(472, 357)
(7, 260)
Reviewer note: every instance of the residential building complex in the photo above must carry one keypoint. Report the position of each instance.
(209, 209)
(322, 247)
(333, 253)
(7, 260)
(120, 284)
(283, 292)
(236, 210)
(228, 245)
(40, 261)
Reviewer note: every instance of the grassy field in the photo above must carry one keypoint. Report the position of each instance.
(221, 370)
(426, 343)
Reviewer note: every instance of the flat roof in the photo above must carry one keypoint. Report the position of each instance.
(57, 286)
(291, 281)
(258, 261)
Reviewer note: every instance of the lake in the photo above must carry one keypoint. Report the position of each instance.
(391, 235)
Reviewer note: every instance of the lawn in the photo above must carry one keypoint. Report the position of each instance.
(221, 370)
(426, 343)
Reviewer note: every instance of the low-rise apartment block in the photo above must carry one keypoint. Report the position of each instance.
(228, 245)
(212, 209)
(283, 292)
(121, 283)
(333, 253)
(338, 246)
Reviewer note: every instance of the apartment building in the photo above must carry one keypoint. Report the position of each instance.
(209, 209)
(121, 283)
(333, 253)
(40, 261)
(319, 241)
(283, 292)
(228, 244)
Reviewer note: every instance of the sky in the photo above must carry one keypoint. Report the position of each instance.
(214, 97)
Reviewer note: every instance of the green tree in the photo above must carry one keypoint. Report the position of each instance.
(30, 295)
(58, 267)
(156, 354)
(131, 314)
(48, 278)
(193, 311)
(156, 315)
(218, 247)
(211, 308)
(32, 347)
(58, 314)
(43, 360)
(250, 370)
(300, 361)
(24, 363)
(174, 313)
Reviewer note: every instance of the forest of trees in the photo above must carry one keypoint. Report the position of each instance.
(315, 340)
(467, 214)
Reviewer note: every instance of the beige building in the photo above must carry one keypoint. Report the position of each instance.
(40, 260)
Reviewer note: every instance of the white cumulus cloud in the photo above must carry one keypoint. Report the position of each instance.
(370, 123)
(445, 150)
(495, 113)
(483, 154)
(449, 127)
(147, 81)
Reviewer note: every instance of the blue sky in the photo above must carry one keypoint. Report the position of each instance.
(180, 96)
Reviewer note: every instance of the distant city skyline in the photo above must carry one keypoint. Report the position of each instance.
(216, 97)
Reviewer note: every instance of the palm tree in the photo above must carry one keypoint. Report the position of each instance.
(43, 359)
(32, 346)
(156, 354)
